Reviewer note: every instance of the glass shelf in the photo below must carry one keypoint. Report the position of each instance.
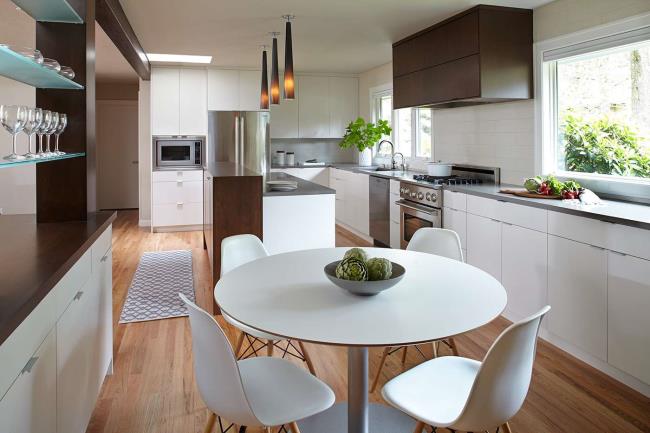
(4, 163)
(54, 11)
(20, 68)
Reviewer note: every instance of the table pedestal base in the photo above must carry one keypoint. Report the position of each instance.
(383, 419)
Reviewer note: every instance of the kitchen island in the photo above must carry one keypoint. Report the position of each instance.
(300, 219)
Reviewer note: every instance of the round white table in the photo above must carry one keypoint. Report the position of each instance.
(290, 296)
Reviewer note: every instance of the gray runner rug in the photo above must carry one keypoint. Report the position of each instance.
(154, 290)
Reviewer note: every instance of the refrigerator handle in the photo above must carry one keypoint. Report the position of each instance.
(242, 125)
(237, 138)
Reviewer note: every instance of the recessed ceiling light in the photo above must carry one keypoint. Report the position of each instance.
(178, 58)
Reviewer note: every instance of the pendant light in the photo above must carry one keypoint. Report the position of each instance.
(275, 78)
(289, 82)
(264, 94)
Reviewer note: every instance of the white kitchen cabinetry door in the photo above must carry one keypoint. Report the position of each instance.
(29, 406)
(456, 220)
(357, 202)
(343, 102)
(103, 273)
(484, 244)
(628, 318)
(313, 107)
(165, 100)
(524, 270)
(249, 90)
(284, 117)
(577, 293)
(223, 89)
(193, 102)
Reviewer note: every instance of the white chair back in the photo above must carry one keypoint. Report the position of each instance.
(216, 369)
(441, 242)
(240, 249)
(503, 380)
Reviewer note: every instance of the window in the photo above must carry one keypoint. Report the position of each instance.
(596, 110)
(412, 127)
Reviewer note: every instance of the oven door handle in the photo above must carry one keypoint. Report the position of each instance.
(416, 207)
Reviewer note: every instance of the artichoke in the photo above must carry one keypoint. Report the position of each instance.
(357, 253)
(379, 269)
(352, 269)
(532, 184)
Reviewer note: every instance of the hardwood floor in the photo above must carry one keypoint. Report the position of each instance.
(153, 389)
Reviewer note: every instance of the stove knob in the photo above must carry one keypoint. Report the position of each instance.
(434, 197)
(406, 191)
(401, 190)
(428, 196)
(420, 196)
(413, 195)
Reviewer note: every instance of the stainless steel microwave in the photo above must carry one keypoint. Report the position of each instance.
(173, 152)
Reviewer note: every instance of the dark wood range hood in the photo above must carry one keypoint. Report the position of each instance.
(479, 56)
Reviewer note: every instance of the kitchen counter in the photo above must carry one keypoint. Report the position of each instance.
(34, 257)
(305, 187)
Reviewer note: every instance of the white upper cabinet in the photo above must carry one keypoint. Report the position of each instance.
(223, 89)
(193, 102)
(250, 86)
(165, 101)
(284, 117)
(343, 103)
(313, 107)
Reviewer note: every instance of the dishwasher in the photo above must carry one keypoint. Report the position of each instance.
(379, 210)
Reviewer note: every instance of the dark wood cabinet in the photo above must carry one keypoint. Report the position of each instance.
(482, 55)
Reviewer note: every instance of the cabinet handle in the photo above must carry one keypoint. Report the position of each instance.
(597, 247)
(503, 222)
(179, 203)
(30, 365)
(619, 254)
(103, 259)
(78, 296)
(179, 181)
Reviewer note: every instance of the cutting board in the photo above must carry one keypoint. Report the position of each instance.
(524, 193)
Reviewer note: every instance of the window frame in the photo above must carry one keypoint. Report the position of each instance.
(546, 106)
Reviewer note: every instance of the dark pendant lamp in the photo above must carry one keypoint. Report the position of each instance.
(264, 94)
(275, 77)
(289, 83)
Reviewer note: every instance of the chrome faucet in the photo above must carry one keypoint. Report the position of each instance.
(392, 152)
(402, 165)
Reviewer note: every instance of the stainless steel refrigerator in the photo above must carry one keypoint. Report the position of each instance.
(242, 137)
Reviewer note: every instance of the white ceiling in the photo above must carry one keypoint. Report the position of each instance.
(346, 36)
(111, 66)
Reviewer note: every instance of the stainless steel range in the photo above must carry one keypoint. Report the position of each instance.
(422, 199)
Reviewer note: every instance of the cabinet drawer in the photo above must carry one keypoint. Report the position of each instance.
(629, 240)
(524, 216)
(181, 191)
(485, 207)
(581, 229)
(175, 175)
(102, 245)
(72, 282)
(177, 215)
(455, 200)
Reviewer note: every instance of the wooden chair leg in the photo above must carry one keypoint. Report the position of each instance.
(454, 349)
(240, 342)
(210, 424)
(294, 427)
(419, 427)
(406, 348)
(506, 428)
(381, 366)
(269, 348)
(434, 346)
(305, 355)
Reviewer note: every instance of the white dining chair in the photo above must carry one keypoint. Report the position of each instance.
(473, 396)
(440, 242)
(236, 251)
(256, 392)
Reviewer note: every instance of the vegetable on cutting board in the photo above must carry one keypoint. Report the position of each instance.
(550, 185)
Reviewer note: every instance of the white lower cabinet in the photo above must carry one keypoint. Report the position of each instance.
(484, 244)
(577, 293)
(352, 199)
(29, 406)
(628, 319)
(456, 220)
(176, 198)
(524, 270)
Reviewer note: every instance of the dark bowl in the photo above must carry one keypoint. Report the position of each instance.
(365, 288)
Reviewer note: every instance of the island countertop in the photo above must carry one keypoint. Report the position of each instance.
(305, 187)
(34, 257)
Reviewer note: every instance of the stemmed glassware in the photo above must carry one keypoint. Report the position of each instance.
(13, 119)
(42, 130)
(63, 122)
(32, 126)
(54, 123)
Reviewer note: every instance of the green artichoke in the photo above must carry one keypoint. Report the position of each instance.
(352, 269)
(357, 253)
(532, 184)
(379, 269)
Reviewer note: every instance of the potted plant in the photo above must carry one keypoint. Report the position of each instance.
(364, 136)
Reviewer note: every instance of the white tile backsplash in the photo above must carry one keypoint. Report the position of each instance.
(499, 135)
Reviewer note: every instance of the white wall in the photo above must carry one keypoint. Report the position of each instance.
(375, 77)
(144, 152)
(17, 184)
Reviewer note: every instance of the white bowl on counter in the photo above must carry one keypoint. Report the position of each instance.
(438, 168)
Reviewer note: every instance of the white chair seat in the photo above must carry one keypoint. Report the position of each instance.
(434, 392)
(280, 392)
(250, 331)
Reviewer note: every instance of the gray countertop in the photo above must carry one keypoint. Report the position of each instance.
(305, 187)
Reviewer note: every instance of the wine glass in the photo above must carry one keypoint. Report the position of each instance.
(13, 119)
(32, 126)
(54, 123)
(63, 122)
(42, 130)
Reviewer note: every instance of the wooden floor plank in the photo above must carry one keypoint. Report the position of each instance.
(153, 390)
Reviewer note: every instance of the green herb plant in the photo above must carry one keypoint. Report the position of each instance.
(364, 135)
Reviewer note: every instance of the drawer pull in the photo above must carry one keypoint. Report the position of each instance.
(179, 203)
(78, 296)
(179, 181)
(30, 365)
(103, 259)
